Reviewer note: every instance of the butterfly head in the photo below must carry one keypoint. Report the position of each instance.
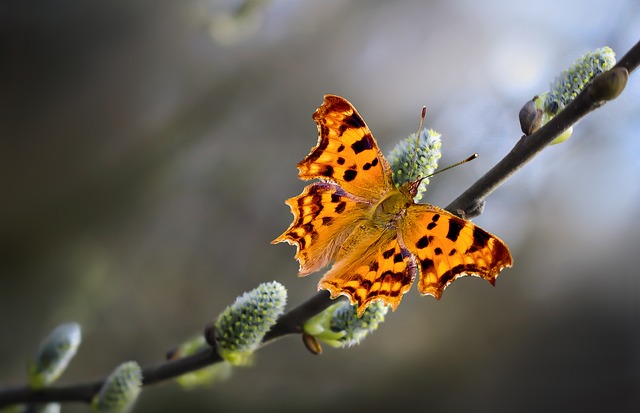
(410, 189)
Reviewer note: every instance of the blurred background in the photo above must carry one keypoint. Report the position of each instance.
(147, 149)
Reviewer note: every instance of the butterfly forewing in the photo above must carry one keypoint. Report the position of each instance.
(324, 216)
(346, 153)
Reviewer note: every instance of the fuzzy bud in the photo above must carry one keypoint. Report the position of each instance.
(120, 391)
(340, 326)
(571, 81)
(408, 166)
(54, 354)
(240, 328)
(568, 85)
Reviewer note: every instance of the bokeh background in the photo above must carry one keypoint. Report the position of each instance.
(148, 146)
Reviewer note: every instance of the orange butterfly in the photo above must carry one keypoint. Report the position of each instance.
(378, 238)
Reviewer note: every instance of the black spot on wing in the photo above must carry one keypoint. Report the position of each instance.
(363, 144)
(433, 224)
(426, 265)
(388, 253)
(423, 242)
(455, 226)
(349, 175)
(480, 240)
(370, 165)
(327, 171)
(354, 121)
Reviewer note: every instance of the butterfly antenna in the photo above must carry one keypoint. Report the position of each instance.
(471, 158)
(423, 114)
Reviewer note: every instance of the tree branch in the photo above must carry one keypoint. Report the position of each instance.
(470, 202)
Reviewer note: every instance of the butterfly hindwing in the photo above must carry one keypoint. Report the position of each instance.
(372, 265)
(447, 247)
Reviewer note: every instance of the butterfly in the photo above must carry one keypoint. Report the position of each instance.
(377, 237)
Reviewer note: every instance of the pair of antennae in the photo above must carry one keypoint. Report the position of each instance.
(415, 154)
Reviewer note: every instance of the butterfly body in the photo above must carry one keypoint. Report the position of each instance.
(391, 209)
(378, 238)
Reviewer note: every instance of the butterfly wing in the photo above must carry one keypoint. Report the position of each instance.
(448, 247)
(373, 264)
(324, 216)
(346, 153)
(354, 175)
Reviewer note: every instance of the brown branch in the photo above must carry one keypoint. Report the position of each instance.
(470, 202)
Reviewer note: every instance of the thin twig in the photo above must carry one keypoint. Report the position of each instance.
(470, 202)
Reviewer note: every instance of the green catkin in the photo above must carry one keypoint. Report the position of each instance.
(240, 328)
(120, 391)
(571, 81)
(407, 166)
(564, 89)
(54, 355)
(340, 326)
